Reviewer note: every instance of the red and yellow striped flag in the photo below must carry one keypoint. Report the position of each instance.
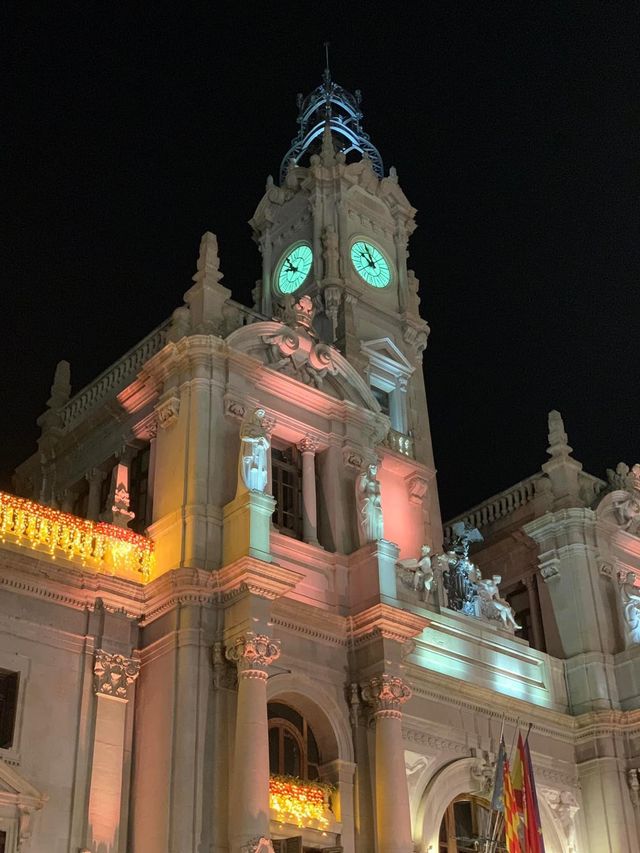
(511, 815)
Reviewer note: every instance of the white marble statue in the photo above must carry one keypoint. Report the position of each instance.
(630, 594)
(494, 607)
(369, 503)
(417, 573)
(252, 465)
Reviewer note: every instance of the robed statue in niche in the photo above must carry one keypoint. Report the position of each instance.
(253, 469)
(369, 501)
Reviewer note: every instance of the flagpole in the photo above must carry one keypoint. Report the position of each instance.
(494, 835)
(489, 841)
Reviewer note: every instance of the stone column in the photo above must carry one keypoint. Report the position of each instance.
(95, 478)
(249, 794)
(307, 448)
(386, 693)
(113, 676)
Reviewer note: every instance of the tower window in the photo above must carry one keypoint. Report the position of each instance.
(286, 478)
(8, 707)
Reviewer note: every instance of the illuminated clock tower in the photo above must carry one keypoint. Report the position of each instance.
(336, 228)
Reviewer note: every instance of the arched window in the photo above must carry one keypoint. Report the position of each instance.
(293, 750)
(467, 821)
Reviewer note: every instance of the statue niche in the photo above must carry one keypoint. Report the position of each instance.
(254, 447)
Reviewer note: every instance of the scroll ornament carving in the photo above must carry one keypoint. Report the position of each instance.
(295, 349)
(564, 807)
(113, 674)
(625, 486)
(253, 653)
(418, 487)
(386, 694)
(167, 412)
(235, 408)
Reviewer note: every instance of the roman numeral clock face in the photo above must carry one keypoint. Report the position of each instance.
(294, 268)
(370, 264)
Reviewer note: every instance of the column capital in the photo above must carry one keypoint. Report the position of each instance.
(386, 694)
(309, 444)
(253, 654)
(113, 674)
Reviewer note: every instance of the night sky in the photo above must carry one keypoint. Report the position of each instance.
(130, 129)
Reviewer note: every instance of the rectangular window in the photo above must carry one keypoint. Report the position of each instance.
(383, 398)
(286, 487)
(139, 490)
(8, 707)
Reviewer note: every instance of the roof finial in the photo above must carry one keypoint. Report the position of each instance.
(327, 72)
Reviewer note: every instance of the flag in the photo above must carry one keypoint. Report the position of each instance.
(533, 829)
(511, 816)
(517, 776)
(498, 783)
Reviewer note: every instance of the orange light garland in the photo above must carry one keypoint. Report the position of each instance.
(106, 546)
(299, 803)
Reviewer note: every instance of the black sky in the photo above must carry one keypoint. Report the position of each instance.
(129, 129)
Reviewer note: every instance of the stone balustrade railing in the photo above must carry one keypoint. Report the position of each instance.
(400, 442)
(114, 378)
(301, 803)
(498, 506)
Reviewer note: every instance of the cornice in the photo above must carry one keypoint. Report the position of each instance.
(310, 622)
(390, 623)
(267, 580)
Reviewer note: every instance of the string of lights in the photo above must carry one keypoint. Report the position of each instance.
(104, 546)
(299, 802)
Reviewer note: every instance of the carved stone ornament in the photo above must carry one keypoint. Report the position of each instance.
(224, 675)
(309, 444)
(564, 807)
(417, 487)
(630, 596)
(295, 350)
(114, 673)
(168, 411)
(352, 457)
(386, 694)
(253, 653)
(258, 845)
(633, 780)
(483, 769)
(416, 573)
(234, 408)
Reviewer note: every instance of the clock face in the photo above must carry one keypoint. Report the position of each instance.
(294, 268)
(370, 264)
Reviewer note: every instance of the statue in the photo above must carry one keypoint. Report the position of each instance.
(252, 464)
(369, 504)
(417, 574)
(494, 607)
(630, 595)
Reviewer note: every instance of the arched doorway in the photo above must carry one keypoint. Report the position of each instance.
(466, 825)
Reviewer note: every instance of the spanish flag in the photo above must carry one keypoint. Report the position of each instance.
(511, 815)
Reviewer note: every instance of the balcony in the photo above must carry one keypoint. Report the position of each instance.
(303, 804)
(97, 545)
(400, 443)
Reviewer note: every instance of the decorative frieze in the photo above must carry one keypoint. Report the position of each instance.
(113, 674)
(386, 694)
(253, 653)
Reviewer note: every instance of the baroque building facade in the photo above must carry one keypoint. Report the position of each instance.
(231, 617)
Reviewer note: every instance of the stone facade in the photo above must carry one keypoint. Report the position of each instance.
(148, 689)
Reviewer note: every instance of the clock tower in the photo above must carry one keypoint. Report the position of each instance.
(336, 228)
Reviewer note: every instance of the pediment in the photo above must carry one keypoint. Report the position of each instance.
(16, 789)
(292, 352)
(386, 354)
